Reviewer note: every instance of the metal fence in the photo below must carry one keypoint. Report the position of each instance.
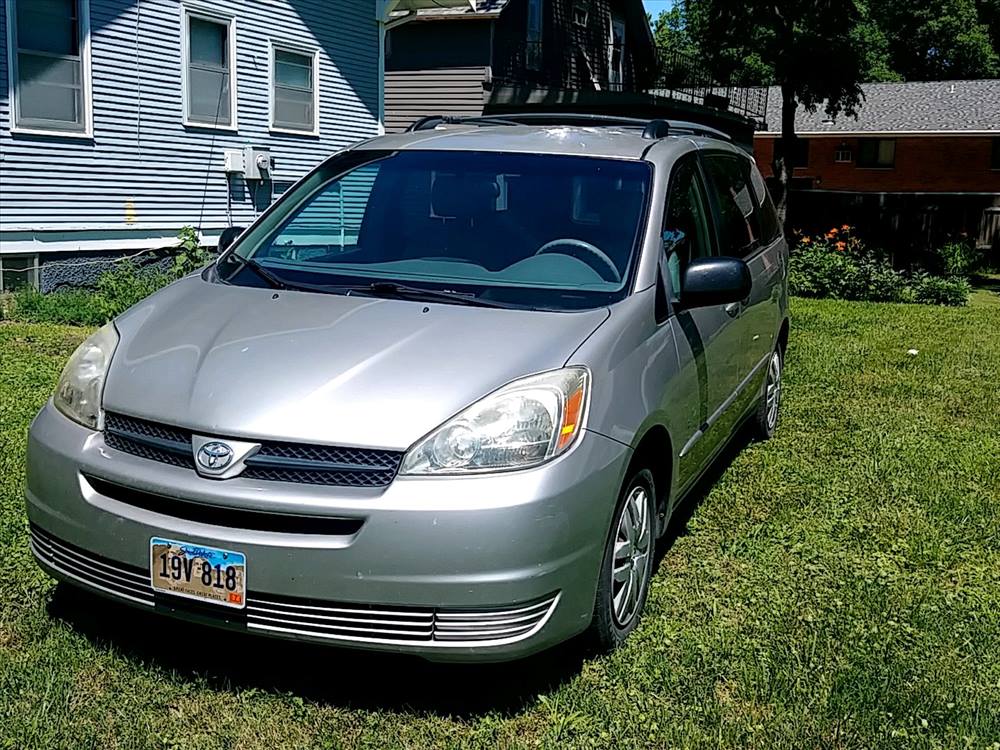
(606, 67)
(684, 78)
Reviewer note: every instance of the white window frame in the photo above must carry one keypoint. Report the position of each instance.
(32, 275)
(843, 156)
(189, 11)
(83, 7)
(296, 49)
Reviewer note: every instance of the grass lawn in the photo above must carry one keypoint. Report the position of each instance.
(836, 587)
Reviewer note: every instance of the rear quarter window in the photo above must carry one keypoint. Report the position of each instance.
(746, 215)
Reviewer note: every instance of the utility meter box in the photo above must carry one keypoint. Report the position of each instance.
(257, 163)
(232, 160)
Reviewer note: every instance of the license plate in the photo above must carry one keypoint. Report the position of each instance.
(198, 572)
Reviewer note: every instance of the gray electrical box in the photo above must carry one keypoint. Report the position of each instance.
(257, 163)
(232, 160)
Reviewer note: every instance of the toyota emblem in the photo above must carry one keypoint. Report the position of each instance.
(215, 456)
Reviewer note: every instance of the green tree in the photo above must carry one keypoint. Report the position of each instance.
(816, 52)
(932, 40)
(680, 57)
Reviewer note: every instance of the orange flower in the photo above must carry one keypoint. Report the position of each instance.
(806, 240)
(841, 246)
(845, 228)
(831, 234)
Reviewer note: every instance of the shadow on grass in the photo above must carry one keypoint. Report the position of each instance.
(231, 660)
(677, 527)
(338, 676)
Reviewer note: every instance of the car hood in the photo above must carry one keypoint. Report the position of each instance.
(256, 363)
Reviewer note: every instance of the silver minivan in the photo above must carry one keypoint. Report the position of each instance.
(441, 398)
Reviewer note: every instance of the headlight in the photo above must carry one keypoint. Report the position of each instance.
(523, 424)
(81, 384)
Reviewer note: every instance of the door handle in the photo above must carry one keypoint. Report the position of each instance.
(733, 309)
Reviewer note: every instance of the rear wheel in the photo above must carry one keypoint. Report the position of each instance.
(766, 417)
(628, 563)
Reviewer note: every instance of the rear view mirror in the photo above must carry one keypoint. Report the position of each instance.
(228, 236)
(714, 281)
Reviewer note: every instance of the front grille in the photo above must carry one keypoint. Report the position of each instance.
(298, 463)
(219, 515)
(156, 442)
(431, 626)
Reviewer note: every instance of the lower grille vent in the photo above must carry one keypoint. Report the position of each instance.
(439, 626)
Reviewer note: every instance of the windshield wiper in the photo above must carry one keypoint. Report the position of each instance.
(394, 289)
(273, 279)
(374, 288)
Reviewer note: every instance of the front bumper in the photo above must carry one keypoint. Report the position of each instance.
(480, 568)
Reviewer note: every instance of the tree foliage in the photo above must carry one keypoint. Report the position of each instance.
(914, 40)
(939, 39)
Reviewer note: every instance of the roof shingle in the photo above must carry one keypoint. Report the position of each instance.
(924, 106)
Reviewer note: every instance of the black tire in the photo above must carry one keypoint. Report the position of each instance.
(611, 625)
(765, 419)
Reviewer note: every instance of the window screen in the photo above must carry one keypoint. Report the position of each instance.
(739, 221)
(877, 152)
(800, 153)
(293, 92)
(209, 96)
(49, 80)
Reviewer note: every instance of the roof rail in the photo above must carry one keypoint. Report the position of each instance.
(651, 129)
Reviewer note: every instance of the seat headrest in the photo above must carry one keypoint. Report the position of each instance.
(464, 196)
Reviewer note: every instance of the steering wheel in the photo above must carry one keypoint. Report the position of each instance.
(605, 267)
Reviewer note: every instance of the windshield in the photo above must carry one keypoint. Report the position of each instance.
(557, 232)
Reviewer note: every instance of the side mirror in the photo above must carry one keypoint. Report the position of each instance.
(714, 281)
(228, 236)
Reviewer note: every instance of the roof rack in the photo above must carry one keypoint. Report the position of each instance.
(651, 129)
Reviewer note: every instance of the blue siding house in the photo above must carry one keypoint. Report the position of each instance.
(122, 121)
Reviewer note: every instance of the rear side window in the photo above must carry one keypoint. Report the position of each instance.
(770, 227)
(739, 219)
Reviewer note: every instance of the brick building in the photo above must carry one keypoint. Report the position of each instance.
(919, 165)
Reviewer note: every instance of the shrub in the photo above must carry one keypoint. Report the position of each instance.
(837, 264)
(123, 286)
(67, 306)
(117, 290)
(935, 290)
(958, 258)
(191, 255)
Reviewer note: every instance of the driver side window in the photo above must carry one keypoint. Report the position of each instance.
(686, 225)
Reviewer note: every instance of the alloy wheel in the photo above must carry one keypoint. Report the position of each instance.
(629, 567)
(773, 392)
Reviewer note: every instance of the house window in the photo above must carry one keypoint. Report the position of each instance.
(533, 40)
(995, 160)
(209, 51)
(18, 272)
(843, 155)
(800, 154)
(49, 63)
(581, 14)
(877, 153)
(293, 90)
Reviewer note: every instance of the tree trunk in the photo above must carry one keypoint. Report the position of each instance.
(784, 157)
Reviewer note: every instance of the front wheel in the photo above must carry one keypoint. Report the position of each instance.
(628, 564)
(766, 417)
